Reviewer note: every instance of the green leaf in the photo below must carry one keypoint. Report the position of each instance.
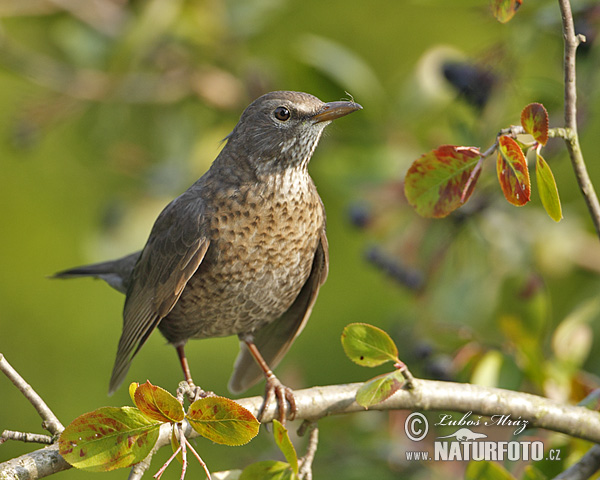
(513, 173)
(488, 470)
(379, 389)
(534, 119)
(504, 10)
(108, 438)
(268, 470)
(285, 444)
(547, 188)
(442, 180)
(223, 421)
(367, 345)
(158, 404)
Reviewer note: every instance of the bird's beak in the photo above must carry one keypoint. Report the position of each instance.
(332, 110)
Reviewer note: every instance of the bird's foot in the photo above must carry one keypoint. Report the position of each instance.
(192, 392)
(276, 390)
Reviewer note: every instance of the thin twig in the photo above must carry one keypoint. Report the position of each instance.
(50, 421)
(572, 41)
(406, 373)
(183, 443)
(162, 469)
(202, 463)
(305, 470)
(490, 150)
(26, 437)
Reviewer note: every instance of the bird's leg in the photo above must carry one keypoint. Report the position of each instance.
(194, 392)
(274, 388)
(184, 364)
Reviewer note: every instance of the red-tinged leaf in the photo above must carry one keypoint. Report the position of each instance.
(440, 181)
(547, 188)
(268, 470)
(379, 389)
(108, 438)
(367, 345)
(285, 445)
(470, 185)
(223, 421)
(504, 10)
(513, 173)
(534, 119)
(158, 404)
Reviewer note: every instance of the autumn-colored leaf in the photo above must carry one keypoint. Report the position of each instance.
(547, 188)
(534, 119)
(223, 421)
(440, 181)
(285, 444)
(268, 470)
(158, 404)
(504, 10)
(367, 345)
(108, 438)
(513, 173)
(379, 389)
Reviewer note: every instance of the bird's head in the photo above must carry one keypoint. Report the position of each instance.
(281, 129)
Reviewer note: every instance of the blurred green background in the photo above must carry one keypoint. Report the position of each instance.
(111, 108)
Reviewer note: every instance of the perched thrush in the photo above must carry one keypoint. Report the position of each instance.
(242, 252)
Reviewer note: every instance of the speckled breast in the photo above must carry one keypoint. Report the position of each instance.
(263, 241)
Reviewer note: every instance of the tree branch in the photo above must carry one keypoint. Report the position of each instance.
(584, 468)
(25, 437)
(50, 421)
(572, 41)
(319, 402)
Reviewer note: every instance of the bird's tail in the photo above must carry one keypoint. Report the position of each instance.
(114, 272)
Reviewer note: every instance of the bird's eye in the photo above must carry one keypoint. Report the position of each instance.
(282, 114)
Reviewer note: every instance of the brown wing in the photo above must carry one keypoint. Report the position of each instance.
(275, 339)
(172, 254)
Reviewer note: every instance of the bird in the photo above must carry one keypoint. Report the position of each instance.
(243, 251)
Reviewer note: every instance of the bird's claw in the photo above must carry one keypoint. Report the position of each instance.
(276, 390)
(192, 392)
